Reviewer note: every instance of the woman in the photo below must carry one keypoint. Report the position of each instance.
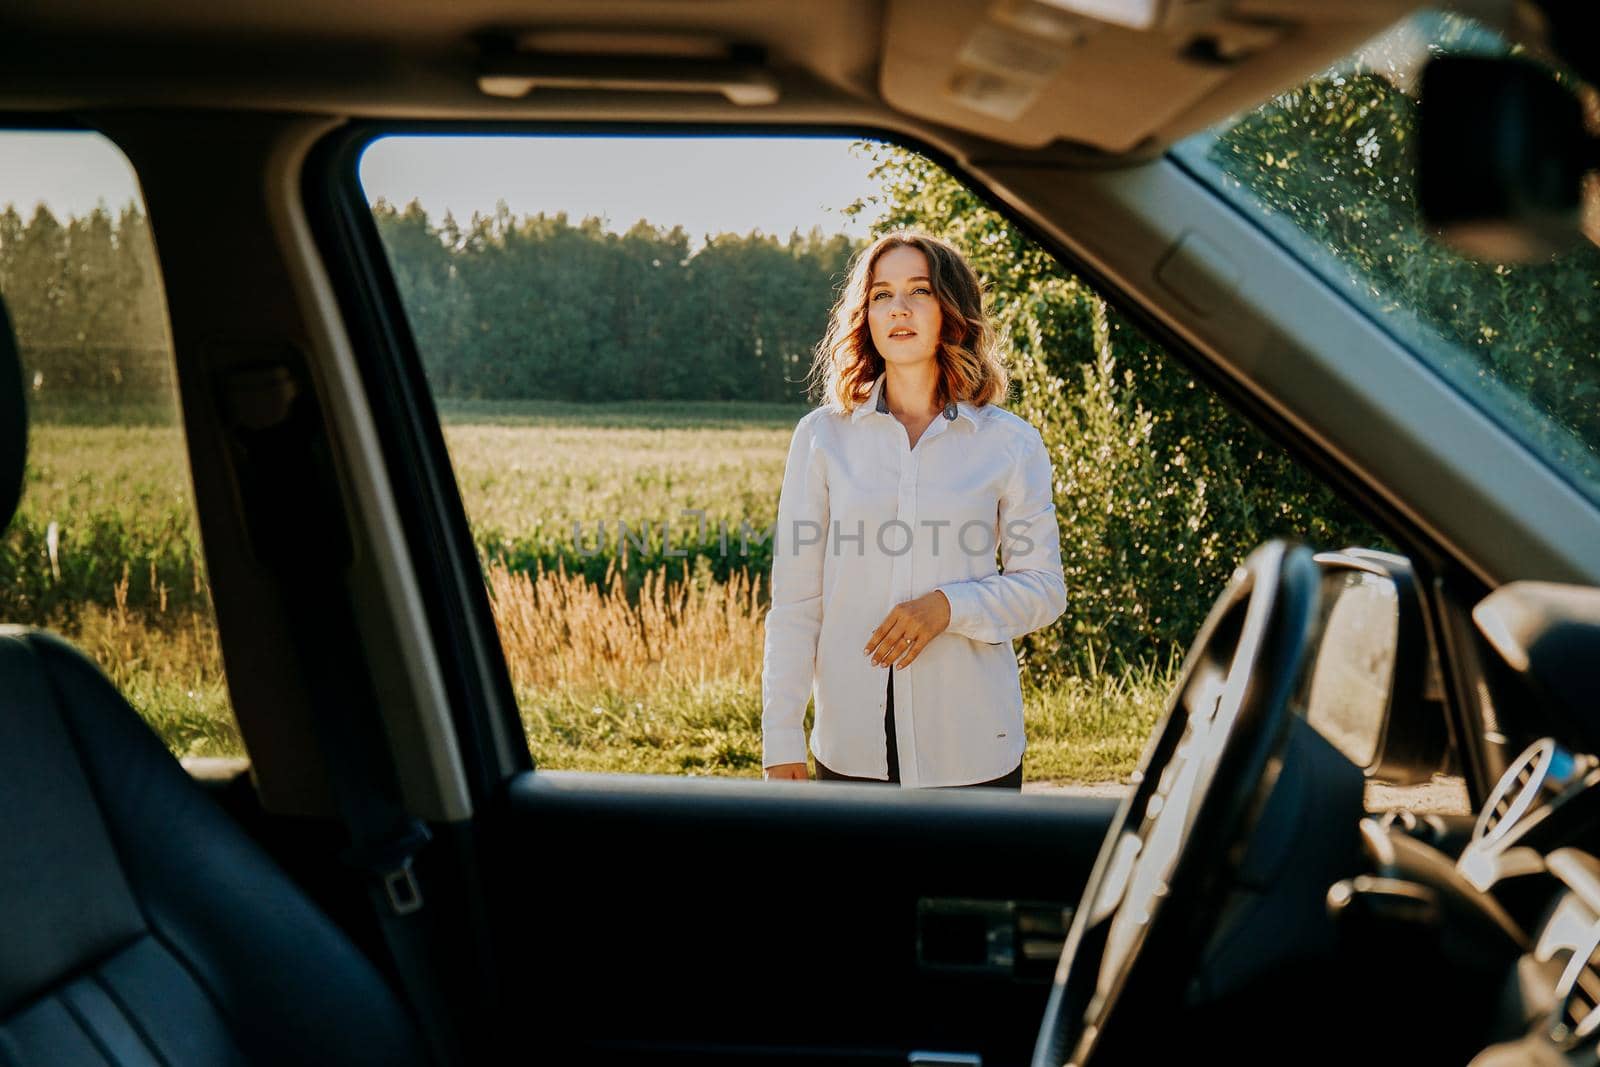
(886, 602)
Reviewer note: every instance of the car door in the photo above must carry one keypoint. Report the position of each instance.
(735, 921)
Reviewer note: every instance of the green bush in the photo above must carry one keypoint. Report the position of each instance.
(1522, 338)
(148, 563)
(1161, 489)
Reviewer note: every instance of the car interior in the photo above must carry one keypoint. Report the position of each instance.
(392, 880)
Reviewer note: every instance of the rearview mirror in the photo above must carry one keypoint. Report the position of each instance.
(1501, 155)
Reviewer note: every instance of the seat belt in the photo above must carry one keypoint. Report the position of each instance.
(384, 839)
(295, 520)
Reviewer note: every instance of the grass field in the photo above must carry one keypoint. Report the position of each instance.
(524, 483)
(666, 681)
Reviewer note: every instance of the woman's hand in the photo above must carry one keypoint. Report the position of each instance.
(787, 772)
(907, 629)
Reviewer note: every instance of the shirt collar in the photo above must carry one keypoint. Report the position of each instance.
(876, 403)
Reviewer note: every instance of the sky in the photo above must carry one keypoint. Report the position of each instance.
(705, 184)
(69, 172)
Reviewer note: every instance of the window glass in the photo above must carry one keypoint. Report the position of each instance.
(1328, 169)
(609, 353)
(104, 549)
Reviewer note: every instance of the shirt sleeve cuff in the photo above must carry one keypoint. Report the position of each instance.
(961, 608)
(783, 746)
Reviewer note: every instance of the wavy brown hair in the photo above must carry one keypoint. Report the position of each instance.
(846, 362)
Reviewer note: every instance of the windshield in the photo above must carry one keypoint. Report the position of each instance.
(1327, 169)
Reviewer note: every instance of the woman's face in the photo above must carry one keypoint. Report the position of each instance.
(902, 311)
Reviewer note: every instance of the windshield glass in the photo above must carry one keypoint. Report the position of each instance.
(1327, 168)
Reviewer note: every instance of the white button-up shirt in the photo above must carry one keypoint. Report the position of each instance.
(866, 522)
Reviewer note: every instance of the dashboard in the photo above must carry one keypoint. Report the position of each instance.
(1497, 914)
(1514, 914)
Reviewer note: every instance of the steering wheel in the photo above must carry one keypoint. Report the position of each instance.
(1158, 885)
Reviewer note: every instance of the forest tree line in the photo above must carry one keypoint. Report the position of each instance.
(542, 308)
(534, 308)
(85, 301)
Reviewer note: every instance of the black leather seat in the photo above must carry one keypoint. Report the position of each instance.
(140, 924)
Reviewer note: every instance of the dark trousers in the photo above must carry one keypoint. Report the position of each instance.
(1005, 781)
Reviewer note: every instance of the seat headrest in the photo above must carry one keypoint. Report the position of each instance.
(13, 421)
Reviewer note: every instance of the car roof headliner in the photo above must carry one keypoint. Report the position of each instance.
(1113, 93)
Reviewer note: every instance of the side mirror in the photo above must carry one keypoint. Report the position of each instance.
(1501, 155)
(1372, 689)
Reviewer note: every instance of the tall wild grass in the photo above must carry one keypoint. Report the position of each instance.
(671, 684)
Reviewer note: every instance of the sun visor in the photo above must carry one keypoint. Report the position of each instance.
(1113, 75)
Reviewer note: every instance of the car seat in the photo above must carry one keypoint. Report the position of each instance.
(142, 926)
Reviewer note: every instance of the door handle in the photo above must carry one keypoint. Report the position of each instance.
(1021, 940)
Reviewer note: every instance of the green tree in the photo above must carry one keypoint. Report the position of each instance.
(541, 308)
(1333, 161)
(86, 305)
(1160, 488)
